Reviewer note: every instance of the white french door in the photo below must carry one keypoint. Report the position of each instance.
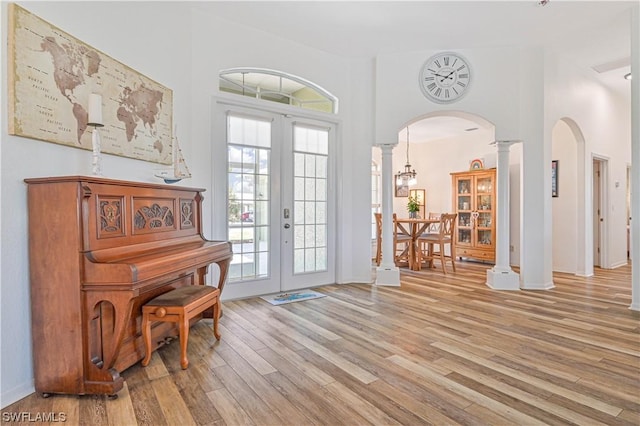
(280, 203)
(307, 213)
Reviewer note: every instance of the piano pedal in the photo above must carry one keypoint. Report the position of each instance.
(97, 362)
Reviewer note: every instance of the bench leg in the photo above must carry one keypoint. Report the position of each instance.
(146, 336)
(216, 317)
(184, 337)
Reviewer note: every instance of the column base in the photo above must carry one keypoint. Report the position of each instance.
(388, 276)
(503, 279)
(537, 286)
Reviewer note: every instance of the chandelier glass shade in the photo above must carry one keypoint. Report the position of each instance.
(408, 176)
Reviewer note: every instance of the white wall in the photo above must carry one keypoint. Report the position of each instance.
(507, 91)
(115, 29)
(492, 96)
(602, 118)
(350, 80)
(565, 206)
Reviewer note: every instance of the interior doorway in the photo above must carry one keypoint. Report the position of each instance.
(628, 213)
(599, 166)
(438, 144)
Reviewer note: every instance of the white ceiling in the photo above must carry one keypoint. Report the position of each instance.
(589, 33)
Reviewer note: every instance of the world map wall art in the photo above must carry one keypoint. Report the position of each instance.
(51, 75)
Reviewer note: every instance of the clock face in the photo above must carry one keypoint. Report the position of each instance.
(445, 77)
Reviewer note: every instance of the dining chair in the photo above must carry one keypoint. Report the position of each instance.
(402, 238)
(445, 237)
(378, 258)
(434, 227)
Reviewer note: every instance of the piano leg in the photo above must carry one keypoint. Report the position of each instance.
(224, 269)
(113, 310)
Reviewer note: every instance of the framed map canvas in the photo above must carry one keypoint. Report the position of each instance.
(52, 74)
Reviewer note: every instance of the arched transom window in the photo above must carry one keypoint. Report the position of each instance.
(277, 86)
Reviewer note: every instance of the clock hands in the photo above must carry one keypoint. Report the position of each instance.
(444, 77)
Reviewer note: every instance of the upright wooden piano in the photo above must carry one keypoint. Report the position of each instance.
(99, 249)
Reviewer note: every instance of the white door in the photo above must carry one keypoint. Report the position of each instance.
(307, 205)
(597, 213)
(280, 202)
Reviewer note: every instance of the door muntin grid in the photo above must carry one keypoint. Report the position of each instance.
(310, 218)
(249, 200)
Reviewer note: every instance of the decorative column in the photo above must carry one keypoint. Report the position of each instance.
(501, 276)
(387, 273)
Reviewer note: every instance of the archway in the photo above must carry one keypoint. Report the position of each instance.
(571, 217)
(442, 142)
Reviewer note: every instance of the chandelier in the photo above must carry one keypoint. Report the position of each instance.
(407, 177)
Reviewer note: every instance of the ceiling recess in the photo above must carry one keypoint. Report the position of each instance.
(612, 65)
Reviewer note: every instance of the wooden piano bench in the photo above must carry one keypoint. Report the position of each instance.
(180, 305)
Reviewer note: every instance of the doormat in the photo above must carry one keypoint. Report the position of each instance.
(290, 297)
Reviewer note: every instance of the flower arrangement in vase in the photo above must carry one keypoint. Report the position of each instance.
(413, 207)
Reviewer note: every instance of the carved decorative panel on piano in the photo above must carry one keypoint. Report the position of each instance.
(99, 249)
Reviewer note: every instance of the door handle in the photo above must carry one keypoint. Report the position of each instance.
(287, 226)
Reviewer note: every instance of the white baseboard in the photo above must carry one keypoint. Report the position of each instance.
(619, 264)
(8, 397)
(537, 286)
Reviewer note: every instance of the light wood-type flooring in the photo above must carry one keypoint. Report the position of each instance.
(440, 350)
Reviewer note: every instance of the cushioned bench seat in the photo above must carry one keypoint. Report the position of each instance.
(179, 306)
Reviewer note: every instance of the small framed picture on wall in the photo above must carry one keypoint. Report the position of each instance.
(402, 189)
(554, 178)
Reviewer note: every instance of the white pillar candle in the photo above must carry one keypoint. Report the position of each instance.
(95, 110)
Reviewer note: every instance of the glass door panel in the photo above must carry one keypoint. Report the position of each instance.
(312, 263)
(484, 185)
(464, 207)
(280, 202)
(310, 200)
(249, 151)
(464, 236)
(484, 237)
(484, 206)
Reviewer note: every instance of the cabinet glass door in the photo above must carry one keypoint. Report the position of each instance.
(484, 207)
(465, 207)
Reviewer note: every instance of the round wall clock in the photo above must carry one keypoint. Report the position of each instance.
(445, 77)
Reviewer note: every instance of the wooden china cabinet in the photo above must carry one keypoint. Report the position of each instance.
(474, 200)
